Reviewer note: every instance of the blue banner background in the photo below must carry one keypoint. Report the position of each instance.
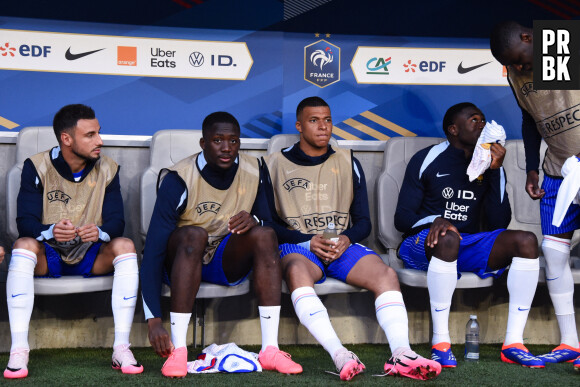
(264, 103)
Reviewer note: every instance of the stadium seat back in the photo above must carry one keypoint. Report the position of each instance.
(30, 141)
(167, 148)
(398, 153)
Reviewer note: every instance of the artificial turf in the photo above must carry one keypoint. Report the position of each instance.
(91, 367)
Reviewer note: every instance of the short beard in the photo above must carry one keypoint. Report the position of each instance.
(86, 158)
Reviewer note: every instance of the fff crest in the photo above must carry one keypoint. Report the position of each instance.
(322, 63)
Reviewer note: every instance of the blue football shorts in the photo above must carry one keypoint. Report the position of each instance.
(213, 272)
(474, 250)
(58, 268)
(338, 268)
(547, 205)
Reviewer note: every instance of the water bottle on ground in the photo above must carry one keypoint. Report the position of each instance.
(472, 339)
(330, 233)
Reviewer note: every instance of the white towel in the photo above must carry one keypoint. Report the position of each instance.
(481, 160)
(224, 358)
(569, 191)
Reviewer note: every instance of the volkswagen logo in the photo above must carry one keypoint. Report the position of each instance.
(447, 193)
(196, 59)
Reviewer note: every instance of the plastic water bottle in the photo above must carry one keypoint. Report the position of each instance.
(330, 233)
(472, 339)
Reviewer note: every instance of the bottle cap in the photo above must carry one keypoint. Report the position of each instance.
(473, 316)
(331, 226)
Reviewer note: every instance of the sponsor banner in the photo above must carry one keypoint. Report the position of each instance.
(117, 55)
(427, 66)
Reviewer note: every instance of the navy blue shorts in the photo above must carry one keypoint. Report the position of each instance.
(547, 205)
(474, 250)
(58, 268)
(339, 268)
(213, 272)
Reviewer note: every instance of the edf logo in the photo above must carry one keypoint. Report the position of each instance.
(25, 50)
(431, 66)
(425, 66)
(557, 51)
(34, 51)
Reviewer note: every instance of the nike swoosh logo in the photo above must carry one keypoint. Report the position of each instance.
(267, 318)
(128, 298)
(68, 55)
(412, 358)
(440, 310)
(551, 279)
(172, 323)
(16, 295)
(464, 70)
(521, 310)
(441, 175)
(312, 314)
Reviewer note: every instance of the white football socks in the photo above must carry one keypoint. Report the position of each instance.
(179, 325)
(441, 282)
(20, 295)
(521, 283)
(269, 321)
(124, 295)
(313, 315)
(561, 286)
(392, 317)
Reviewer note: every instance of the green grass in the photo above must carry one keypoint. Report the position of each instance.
(91, 367)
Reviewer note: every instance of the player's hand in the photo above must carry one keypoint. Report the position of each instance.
(159, 338)
(532, 186)
(1, 254)
(497, 155)
(241, 223)
(88, 233)
(322, 248)
(439, 228)
(64, 231)
(340, 246)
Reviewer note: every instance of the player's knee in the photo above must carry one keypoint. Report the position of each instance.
(447, 246)
(526, 245)
(293, 268)
(122, 245)
(26, 243)
(263, 236)
(389, 276)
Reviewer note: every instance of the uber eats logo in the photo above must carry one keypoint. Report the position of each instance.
(454, 211)
(556, 55)
(162, 58)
